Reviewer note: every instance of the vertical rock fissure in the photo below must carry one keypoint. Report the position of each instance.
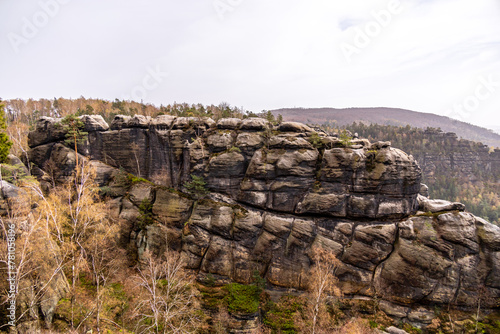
(203, 255)
(394, 248)
(459, 286)
(266, 266)
(170, 163)
(287, 245)
(233, 266)
(147, 160)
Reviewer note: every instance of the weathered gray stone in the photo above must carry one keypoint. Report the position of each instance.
(380, 145)
(172, 209)
(94, 123)
(488, 233)
(162, 122)
(184, 123)
(228, 123)
(358, 202)
(139, 121)
(438, 205)
(254, 124)
(226, 171)
(141, 192)
(421, 315)
(395, 330)
(393, 310)
(330, 204)
(120, 122)
(294, 127)
(103, 172)
(424, 190)
(459, 228)
(8, 190)
(219, 142)
(46, 130)
(289, 142)
(247, 141)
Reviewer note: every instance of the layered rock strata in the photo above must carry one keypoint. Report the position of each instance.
(276, 192)
(252, 162)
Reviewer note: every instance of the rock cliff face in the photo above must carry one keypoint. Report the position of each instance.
(466, 159)
(251, 162)
(277, 191)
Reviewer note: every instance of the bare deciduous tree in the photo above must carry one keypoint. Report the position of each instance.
(135, 150)
(76, 221)
(167, 300)
(322, 284)
(18, 134)
(103, 262)
(38, 260)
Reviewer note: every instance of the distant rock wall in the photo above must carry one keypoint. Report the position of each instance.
(466, 159)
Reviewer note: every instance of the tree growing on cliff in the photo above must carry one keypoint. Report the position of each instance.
(100, 248)
(345, 138)
(167, 300)
(322, 284)
(73, 126)
(77, 221)
(196, 187)
(38, 264)
(5, 143)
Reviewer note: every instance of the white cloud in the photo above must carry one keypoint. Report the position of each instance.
(262, 54)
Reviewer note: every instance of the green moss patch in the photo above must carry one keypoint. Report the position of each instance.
(242, 298)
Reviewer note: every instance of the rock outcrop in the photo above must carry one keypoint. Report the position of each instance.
(252, 162)
(465, 158)
(277, 191)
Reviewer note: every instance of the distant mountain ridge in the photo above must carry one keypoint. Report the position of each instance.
(390, 116)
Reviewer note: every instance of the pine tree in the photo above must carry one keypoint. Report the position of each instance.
(74, 132)
(5, 143)
(196, 187)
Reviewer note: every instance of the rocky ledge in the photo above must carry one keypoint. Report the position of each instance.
(276, 191)
(287, 168)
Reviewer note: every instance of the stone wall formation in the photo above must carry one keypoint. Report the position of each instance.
(275, 192)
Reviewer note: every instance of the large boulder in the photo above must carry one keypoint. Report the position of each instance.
(94, 123)
(294, 127)
(438, 205)
(120, 122)
(47, 129)
(8, 190)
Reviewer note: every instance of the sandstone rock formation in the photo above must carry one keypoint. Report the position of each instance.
(248, 160)
(276, 192)
(465, 158)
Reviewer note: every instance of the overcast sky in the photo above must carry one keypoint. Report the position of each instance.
(438, 56)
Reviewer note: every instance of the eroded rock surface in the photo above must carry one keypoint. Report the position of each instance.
(280, 168)
(277, 192)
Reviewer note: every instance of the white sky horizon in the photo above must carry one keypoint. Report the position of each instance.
(433, 56)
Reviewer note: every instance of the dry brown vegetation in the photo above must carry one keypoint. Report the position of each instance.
(21, 115)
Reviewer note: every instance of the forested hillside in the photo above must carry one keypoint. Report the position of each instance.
(21, 115)
(389, 116)
(455, 169)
